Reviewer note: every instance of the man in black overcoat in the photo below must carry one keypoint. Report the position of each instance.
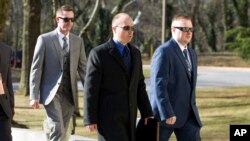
(114, 85)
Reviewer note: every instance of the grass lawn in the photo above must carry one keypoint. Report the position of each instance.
(221, 107)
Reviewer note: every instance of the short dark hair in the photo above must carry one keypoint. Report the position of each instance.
(181, 16)
(64, 8)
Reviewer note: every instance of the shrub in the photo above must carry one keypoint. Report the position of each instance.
(238, 40)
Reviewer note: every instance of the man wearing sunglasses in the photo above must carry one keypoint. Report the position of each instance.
(173, 84)
(58, 56)
(114, 85)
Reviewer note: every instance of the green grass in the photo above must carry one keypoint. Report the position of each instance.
(221, 107)
(146, 73)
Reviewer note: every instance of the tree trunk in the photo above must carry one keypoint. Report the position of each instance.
(195, 8)
(4, 5)
(91, 19)
(241, 7)
(32, 12)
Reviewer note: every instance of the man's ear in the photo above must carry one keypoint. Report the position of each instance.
(56, 20)
(113, 29)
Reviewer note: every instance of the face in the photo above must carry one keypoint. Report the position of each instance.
(123, 29)
(65, 21)
(182, 30)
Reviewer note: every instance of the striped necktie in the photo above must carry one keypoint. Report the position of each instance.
(65, 44)
(187, 61)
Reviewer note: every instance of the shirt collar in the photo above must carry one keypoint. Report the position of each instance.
(61, 35)
(180, 45)
(119, 46)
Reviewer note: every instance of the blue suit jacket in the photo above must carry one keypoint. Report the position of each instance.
(172, 91)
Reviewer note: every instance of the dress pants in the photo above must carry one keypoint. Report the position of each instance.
(189, 132)
(5, 126)
(59, 112)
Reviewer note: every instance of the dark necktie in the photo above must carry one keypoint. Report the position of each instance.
(65, 45)
(126, 57)
(187, 62)
(65, 49)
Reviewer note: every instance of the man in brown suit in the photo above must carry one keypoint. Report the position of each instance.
(6, 92)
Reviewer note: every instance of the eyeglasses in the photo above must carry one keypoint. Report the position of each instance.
(127, 28)
(185, 29)
(67, 19)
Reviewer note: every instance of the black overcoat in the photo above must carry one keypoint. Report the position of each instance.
(6, 100)
(113, 95)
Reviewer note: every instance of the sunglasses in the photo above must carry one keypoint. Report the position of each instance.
(67, 19)
(185, 29)
(127, 28)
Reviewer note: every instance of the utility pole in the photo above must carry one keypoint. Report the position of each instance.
(163, 29)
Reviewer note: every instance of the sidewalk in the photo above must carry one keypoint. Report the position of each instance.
(19, 134)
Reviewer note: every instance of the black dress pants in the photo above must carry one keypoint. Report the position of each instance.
(5, 126)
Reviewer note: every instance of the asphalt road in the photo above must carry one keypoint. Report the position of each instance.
(212, 77)
(209, 77)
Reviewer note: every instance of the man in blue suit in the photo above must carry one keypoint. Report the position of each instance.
(173, 83)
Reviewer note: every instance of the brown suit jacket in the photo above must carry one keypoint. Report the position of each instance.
(6, 100)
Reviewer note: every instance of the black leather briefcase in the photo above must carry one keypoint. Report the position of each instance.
(149, 132)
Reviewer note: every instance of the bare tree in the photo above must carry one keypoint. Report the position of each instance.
(4, 4)
(91, 19)
(31, 12)
(242, 8)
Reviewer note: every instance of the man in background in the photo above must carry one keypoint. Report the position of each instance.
(58, 56)
(173, 84)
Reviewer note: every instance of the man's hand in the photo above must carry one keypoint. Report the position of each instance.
(171, 120)
(34, 104)
(92, 127)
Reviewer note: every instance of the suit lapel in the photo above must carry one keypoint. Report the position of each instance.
(115, 54)
(71, 51)
(194, 64)
(180, 56)
(58, 47)
(134, 63)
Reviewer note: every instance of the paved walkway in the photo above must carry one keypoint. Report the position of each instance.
(19, 134)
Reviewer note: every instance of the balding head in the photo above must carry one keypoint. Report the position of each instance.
(122, 28)
(121, 18)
